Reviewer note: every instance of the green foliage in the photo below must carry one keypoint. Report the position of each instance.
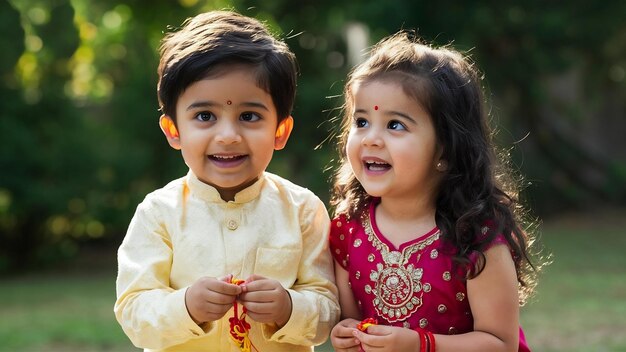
(81, 145)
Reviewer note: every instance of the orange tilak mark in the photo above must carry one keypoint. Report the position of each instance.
(365, 323)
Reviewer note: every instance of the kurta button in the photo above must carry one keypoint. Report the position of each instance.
(232, 225)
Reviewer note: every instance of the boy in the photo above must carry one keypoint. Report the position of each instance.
(226, 89)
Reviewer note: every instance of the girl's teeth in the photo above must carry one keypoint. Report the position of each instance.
(376, 166)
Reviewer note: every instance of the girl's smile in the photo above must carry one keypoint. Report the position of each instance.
(375, 166)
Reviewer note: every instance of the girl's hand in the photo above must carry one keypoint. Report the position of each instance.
(208, 299)
(388, 338)
(266, 300)
(342, 337)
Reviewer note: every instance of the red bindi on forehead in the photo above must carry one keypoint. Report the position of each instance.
(229, 102)
(375, 107)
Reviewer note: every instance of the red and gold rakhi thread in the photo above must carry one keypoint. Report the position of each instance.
(365, 323)
(239, 327)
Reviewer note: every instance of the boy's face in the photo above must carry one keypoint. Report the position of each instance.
(227, 129)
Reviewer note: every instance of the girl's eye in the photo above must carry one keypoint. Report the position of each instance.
(249, 116)
(396, 125)
(360, 122)
(205, 116)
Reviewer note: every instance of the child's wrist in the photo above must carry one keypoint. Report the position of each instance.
(426, 339)
(284, 319)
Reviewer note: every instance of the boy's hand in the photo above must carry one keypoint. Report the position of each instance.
(383, 338)
(266, 300)
(342, 337)
(208, 299)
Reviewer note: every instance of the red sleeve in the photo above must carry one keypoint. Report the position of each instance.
(499, 239)
(339, 239)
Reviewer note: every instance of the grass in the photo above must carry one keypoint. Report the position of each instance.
(580, 305)
(581, 299)
(61, 311)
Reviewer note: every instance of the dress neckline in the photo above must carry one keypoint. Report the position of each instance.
(384, 239)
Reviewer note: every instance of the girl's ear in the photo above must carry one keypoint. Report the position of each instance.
(442, 164)
(170, 131)
(282, 133)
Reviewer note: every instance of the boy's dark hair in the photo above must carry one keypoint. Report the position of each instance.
(210, 41)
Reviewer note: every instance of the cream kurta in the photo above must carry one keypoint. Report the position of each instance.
(185, 231)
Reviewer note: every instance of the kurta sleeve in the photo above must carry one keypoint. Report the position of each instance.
(315, 308)
(152, 314)
(340, 233)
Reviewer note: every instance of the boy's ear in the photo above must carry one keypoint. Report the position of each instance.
(170, 131)
(282, 133)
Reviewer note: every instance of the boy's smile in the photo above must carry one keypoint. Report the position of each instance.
(227, 129)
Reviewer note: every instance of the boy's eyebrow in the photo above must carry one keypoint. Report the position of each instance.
(253, 104)
(201, 104)
(390, 113)
(208, 103)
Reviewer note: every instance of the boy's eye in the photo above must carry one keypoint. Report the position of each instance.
(205, 116)
(396, 125)
(249, 116)
(360, 122)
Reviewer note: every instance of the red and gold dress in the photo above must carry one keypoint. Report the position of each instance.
(412, 286)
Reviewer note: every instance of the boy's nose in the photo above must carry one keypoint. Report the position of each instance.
(228, 133)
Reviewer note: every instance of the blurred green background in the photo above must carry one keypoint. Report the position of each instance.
(81, 146)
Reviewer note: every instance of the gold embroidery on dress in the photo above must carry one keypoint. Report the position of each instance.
(397, 287)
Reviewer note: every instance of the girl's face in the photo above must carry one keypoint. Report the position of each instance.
(392, 145)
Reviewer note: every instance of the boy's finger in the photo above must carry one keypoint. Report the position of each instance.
(254, 277)
(223, 285)
(227, 278)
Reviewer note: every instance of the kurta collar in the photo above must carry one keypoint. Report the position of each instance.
(210, 194)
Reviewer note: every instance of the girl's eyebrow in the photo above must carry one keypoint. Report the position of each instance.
(401, 114)
(390, 113)
(209, 103)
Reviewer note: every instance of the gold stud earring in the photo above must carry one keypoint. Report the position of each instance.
(442, 165)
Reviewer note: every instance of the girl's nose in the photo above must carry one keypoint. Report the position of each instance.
(372, 138)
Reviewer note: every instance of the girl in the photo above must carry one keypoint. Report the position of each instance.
(428, 237)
